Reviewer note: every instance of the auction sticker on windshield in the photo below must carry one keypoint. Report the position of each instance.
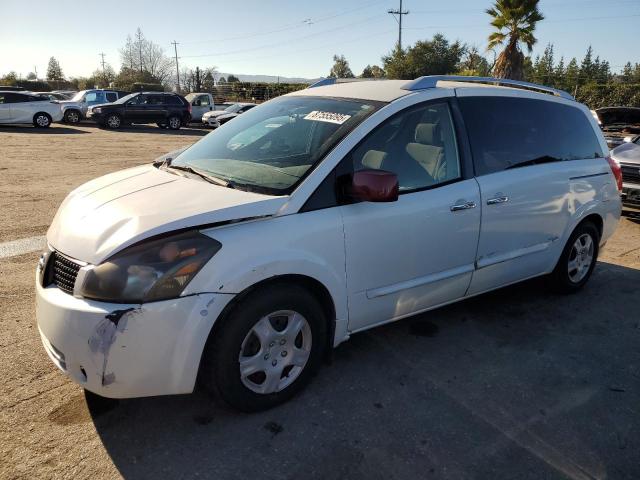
(329, 117)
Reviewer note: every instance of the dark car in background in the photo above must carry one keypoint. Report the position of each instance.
(167, 110)
(619, 124)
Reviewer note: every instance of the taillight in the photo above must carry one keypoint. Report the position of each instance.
(617, 171)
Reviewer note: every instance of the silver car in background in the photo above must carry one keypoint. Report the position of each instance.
(75, 110)
(628, 156)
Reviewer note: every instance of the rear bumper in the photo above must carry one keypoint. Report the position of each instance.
(123, 351)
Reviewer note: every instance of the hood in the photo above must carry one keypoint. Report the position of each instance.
(69, 103)
(627, 153)
(215, 113)
(112, 212)
(226, 115)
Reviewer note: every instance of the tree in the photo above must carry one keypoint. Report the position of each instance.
(31, 76)
(372, 72)
(587, 67)
(515, 23)
(427, 57)
(474, 64)
(143, 55)
(54, 70)
(233, 79)
(395, 64)
(340, 68)
(543, 68)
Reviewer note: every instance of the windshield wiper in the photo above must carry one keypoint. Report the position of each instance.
(205, 176)
(536, 161)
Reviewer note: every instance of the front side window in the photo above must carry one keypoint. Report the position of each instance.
(272, 147)
(418, 145)
(111, 96)
(509, 132)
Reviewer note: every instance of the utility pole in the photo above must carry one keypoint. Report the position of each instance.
(139, 36)
(102, 61)
(175, 49)
(400, 13)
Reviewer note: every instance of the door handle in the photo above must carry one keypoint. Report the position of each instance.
(462, 206)
(498, 199)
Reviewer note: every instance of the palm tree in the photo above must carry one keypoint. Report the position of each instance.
(515, 22)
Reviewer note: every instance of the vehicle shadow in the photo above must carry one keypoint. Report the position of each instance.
(144, 128)
(54, 129)
(517, 383)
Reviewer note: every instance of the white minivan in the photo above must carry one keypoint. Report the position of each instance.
(243, 259)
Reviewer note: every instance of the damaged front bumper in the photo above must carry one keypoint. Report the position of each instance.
(124, 351)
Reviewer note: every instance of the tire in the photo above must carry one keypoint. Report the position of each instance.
(42, 120)
(113, 121)
(174, 122)
(278, 306)
(72, 116)
(578, 259)
(162, 125)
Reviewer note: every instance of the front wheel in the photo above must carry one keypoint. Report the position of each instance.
(72, 116)
(162, 125)
(41, 120)
(578, 259)
(266, 349)
(114, 121)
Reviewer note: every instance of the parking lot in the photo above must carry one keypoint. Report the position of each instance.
(518, 383)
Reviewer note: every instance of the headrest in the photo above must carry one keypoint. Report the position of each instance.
(373, 159)
(425, 133)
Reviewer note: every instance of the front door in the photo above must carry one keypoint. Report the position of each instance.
(418, 252)
(199, 106)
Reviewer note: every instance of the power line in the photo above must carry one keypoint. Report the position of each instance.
(400, 13)
(284, 42)
(289, 26)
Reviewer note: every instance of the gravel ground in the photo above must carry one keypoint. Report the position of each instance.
(517, 383)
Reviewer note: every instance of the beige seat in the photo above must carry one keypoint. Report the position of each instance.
(426, 153)
(373, 159)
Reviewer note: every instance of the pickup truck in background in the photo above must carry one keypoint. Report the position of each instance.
(75, 110)
(201, 103)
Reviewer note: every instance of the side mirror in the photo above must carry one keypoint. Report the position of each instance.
(374, 186)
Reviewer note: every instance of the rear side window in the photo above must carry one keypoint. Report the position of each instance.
(111, 96)
(172, 100)
(507, 132)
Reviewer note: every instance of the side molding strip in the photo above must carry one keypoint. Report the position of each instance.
(416, 282)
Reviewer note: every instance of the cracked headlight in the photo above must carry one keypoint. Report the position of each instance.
(156, 269)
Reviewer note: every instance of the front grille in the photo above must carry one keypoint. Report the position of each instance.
(630, 173)
(64, 272)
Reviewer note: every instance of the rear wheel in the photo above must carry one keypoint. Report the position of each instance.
(72, 116)
(174, 123)
(41, 120)
(114, 121)
(266, 349)
(578, 259)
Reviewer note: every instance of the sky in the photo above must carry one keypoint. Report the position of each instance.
(291, 38)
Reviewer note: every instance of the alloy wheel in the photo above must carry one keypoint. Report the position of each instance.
(580, 258)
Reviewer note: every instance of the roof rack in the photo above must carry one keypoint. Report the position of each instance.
(332, 81)
(431, 81)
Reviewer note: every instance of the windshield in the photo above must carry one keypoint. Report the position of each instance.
(233, 108)
(78, 96)
(271, 147)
